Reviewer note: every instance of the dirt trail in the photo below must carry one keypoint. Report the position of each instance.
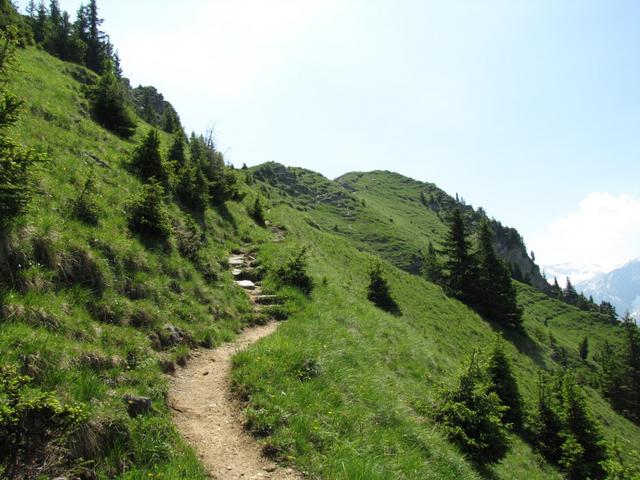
(207, 414)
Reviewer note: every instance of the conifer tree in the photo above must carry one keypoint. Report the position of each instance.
(556, 291)
(570, 294)
(583, 349)
(503, 383)
(547, 426)
(379, 292)
(95, 46)
(582, 449)
(496, 293)
(257, 212)
(460, 265)
(192, 187)
(110, 107)
(472, 417)
(177, 153)
(147, 159)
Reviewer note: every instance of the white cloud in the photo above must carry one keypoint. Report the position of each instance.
(604, 230)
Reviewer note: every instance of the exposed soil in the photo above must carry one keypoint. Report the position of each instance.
(210, 417)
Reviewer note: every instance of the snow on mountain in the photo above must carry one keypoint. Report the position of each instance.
(621, 287)
(577, 272)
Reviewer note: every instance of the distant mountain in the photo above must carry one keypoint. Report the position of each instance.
(577, 272)
(621, 287)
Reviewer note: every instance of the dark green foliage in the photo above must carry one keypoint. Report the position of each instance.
(147, 212)
(460, 269)
(84, 206)
(9, 16)
(378, 291)
(564, 431)
(294, 272)
(583, 349)
(617, 468)
(257, 212)
(471, 416)
(29, 420)
(582, 450)
(620, 371)
(147, 159)
(503, 382)
(556, 291)
(496, 293)
(547, 426)
(570, 294)
(16, 161)
(110, 107)
(222, 181)
(177, 153)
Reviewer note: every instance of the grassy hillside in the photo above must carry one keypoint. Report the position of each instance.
(93, 310)
(343, 389)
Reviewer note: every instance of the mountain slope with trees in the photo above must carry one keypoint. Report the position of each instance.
(113, 268)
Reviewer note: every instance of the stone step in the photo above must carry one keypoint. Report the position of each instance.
(267, 300)
(236, 260)
(246, 284)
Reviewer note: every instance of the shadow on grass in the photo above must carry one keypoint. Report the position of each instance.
(522, 341)
(227, 216)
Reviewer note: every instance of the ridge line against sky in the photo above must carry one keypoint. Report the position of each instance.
(527, 108)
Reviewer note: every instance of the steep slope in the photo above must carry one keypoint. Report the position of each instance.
(418, 203)
(343, 389)
(386, 213)
(620, 287)
(92, 313)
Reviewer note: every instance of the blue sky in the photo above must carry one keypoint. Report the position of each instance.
(528, 108)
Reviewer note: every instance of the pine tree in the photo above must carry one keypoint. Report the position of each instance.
(257, 212)
(503, 383)
(147, 159)
(582, 450)
(110, 106)
(41, 25)
(472, 417)
(176, 152)
(192, 188)
(496, 293)
(583, 349)
(147, 212)
(570, 294)
(379, 292)
(547, 425)
(460, 265)
(16, 161)
(95, 47)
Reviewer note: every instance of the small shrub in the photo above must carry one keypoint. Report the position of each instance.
(471, 416)
(147, 213)
(84, 206)
(109, 105)
(257, 212)
(294, 272)
(29, 420)
(379, 293)
(189, 239)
